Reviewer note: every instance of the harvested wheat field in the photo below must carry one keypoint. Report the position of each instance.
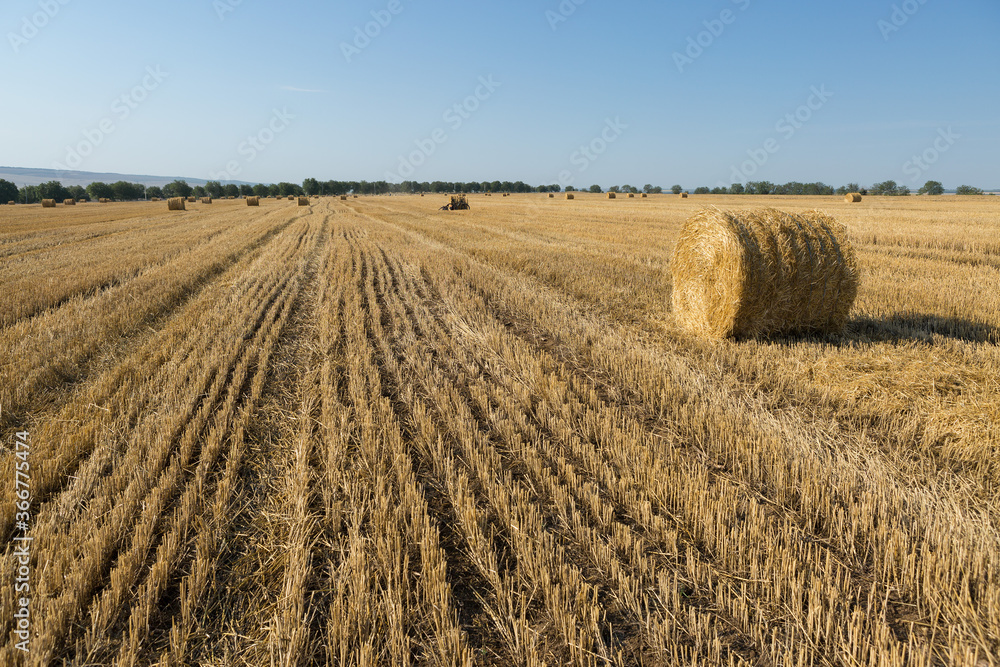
(369, 432)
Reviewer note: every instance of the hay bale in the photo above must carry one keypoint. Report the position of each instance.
(683, 195)
(81, 201)
(355, 196)
(570, 195)
(551, 196)
(631, 195)
(191, 200)
(853, 197)
(644, 195)
(303, 201)
(748, 273)
(612, 195)
(343, 197)
(176, 204)
(206, 200)
(291, 197)
(154, 199)
(69, 202)
(11, 203)
(253, 201)
(48, 203)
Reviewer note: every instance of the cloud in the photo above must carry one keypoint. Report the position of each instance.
(303, 90)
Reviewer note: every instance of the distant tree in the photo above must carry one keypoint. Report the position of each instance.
(570, 188)
(967, 190)
(614, 188)
(124, 191)
(214, 189)
(29, 194)
(885, 188)
(657, 190)
(931, 188)
(274, 190)
(647, 188)
(311, 186)
(231, 190)
(719, 190)
(850, 187)
(246, 190)
(54, 190)
(178, 188)
(676, 189)
(199, 191)
(596, 189)
(98, 190)
(155, 191)
(260, 190)
(8, 191)
(702, 190)
(902, 191)
(736, 189)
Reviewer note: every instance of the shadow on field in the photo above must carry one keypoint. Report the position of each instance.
(899, 329)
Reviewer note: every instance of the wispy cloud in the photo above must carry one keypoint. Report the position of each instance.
(303, 90)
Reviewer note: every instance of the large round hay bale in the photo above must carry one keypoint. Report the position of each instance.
(253, 201)
(570, 195)
(303, 201)
(191, 200)
(631, 195)
(154, 199)
(69, 202)
(176, 204)
(683, 195)
(11, 203)
(852, 197)
(749, 273)
(343, 197)
(612, 195)
(206, 200)
(48, 203)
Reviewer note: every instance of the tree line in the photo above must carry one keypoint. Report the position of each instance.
(124, 191)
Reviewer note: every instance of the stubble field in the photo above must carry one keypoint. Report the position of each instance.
(369, 432)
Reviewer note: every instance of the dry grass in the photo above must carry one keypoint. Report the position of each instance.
(353, 435)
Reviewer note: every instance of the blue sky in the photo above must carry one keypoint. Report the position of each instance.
(555, 91)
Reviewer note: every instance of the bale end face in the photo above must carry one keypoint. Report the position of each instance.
(176, 204)
(762, 272)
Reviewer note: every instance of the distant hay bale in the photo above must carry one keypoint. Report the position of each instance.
(853, 197)
(750, 273)
(253, 201)
(631, 195)
(191, 200)
(11, 203)
(81, 201)
(48, 203)
(69, 202)
(569, 195)
(176, 204)
(291, 197)
(612, 195)
(551, 196)
(206, 200)
(683, 195)
(154, 199)
(355, 196)
(303, 201)
(343, 197)
(644, 195)
(103, 200)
